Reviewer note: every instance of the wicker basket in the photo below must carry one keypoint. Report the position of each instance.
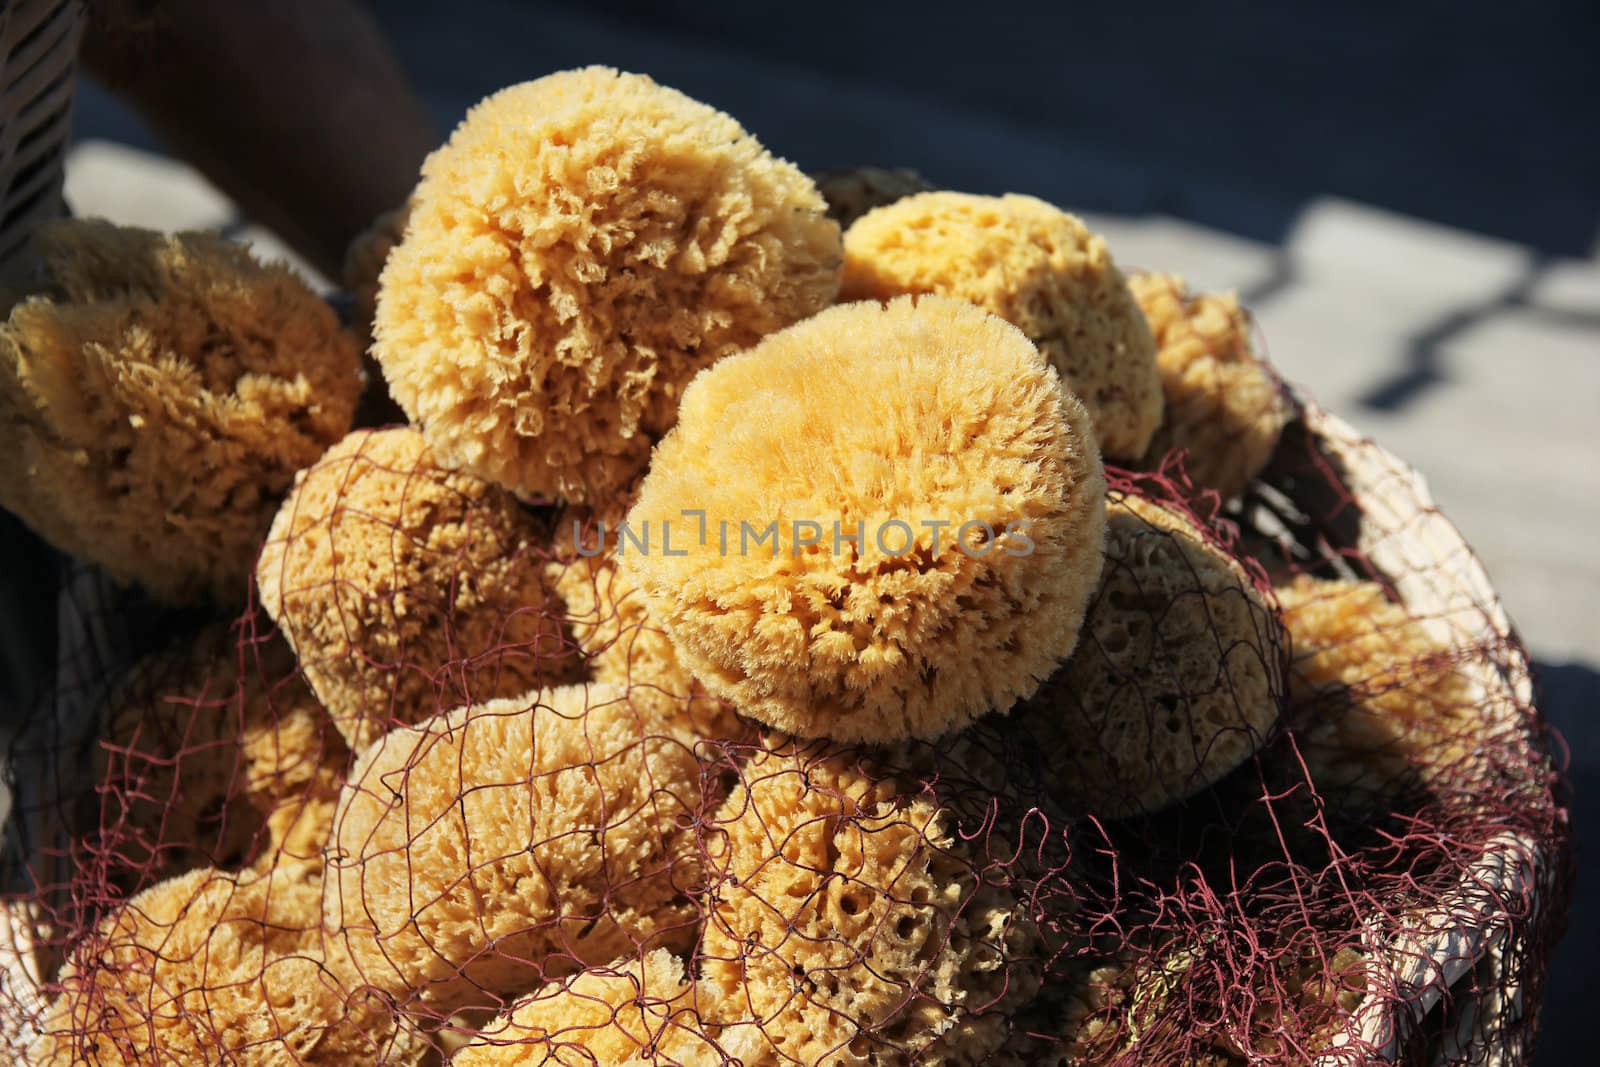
(38, 61)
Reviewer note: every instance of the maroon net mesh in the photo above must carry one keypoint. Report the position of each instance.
(1357, 850)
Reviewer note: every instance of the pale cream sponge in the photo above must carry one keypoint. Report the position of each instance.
(880, 421)
(582, 245)
(516, 839)
(1038, 268)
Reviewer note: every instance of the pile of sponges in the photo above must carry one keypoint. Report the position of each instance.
(586, 736)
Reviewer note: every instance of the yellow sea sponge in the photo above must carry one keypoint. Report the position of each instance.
(1388, 704)
(633, 1013)
(873, 423)
(1038, 268)
(217, 968)
(1177, 680)
(214, 752)
(406, 589)
(157, 397)
(505, 842)
(853, 191)
(1222, 402)
(579, 249)
(847, 925)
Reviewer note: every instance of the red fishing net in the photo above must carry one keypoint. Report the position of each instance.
(1289, 802)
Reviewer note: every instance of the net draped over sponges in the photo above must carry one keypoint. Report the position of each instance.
(216, 753)
(1038, 268)
(157, 395)
(514, 839)
(875, 423)
(632, 1013)
(1223, 404)
(582, 245)
(406, 588)
(1177, 679)
(211, 967)
(849, 925)
(1389, 706)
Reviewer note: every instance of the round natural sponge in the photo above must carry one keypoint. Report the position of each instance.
(214, 753)
(1222, 402)
(1038, 268)
(578, 250)
(503, 842)
(1387, 703)
(406, 588)
(156, 399)
(860, 429)
(211, 967)
(1177, 680)
(632, 1013)
(848, 926)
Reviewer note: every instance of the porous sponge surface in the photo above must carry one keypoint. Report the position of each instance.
(406, 588)
(1038, 268)
(916, 412)
(849, 927)
(1177, 680)
(583, 245)
(632, 1013)
(158, 396)
(1389, 706)
(211, 967)
(1222, 403)
(504, 842)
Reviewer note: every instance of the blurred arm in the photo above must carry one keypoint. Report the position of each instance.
(297, 109)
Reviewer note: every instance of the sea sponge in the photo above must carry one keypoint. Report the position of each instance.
(853, 191)
(156, 398)
(848, 925)
(363, 264)
(611, 625)
(514, 840)
(579, 249)
(209, 745)
(874, 422)
(1222, 402)
(633, 1013)
(211, 967)
(405, 588)
(1388, 706)
(1177, 680)
(1038, 268)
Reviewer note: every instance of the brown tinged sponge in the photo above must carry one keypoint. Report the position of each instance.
(632, 1013)
(214, 753)
(1223, 404)
(873, 422)
(405, 588)
(507, 842)
(1177, 679)
(157, 395)
(579, 249)
(853, 191)
(211, 967)
(847, 925)
(1386, 705)
(1038, 268)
